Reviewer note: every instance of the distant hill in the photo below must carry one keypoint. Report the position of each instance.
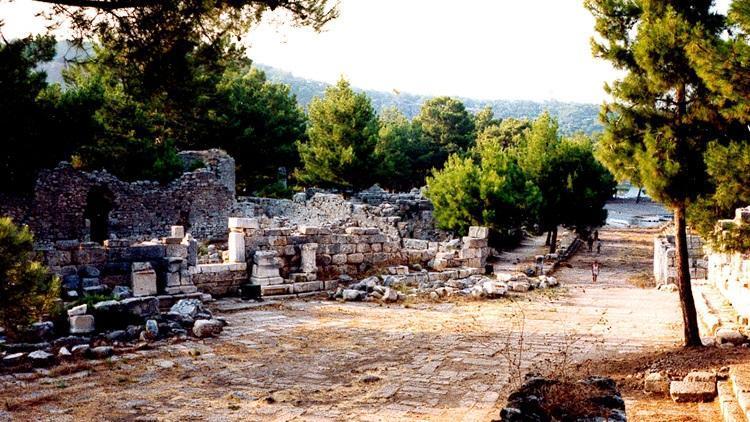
(573, 117)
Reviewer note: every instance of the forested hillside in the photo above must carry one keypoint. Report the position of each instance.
(573, 117)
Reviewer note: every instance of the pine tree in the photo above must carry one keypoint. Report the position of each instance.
(343, 133)
(724, 64)
(662, 116)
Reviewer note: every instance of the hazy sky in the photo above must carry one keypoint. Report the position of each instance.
(486, 49)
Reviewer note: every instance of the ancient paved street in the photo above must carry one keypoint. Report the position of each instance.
(320, 360)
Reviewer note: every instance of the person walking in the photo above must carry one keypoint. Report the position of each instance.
(594, 270)
(599, 247)
(590, 243)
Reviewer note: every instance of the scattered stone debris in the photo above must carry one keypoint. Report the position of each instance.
(394, 288)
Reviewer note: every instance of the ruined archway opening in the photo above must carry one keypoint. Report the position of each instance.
(98, 207)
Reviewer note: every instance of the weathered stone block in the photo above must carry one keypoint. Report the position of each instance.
(264, 271)
(307, 258)
(363, 248)
(416, 244)
(236, 247)
(479, 232)
(82, 324)
(355, 258)
(306, 287)
(144, 253)
(243, 223)
(472, 242)
(207, 328)
(177, 231)
(656, 383)
(309, 230)
(348, 248)
(141, 307)
(692, 392)
(275, 290)
(143, 279)
(267, 281)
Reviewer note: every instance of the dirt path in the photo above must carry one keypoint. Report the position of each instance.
(319, 360)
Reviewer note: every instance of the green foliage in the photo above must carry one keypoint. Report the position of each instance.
(662, 117)
(573, 117)
(446, 127)
(127, 135)
(27, 289)
(515, 177)
(485, 119)
(507, 134)
(574, 186)
(22, 116)
(728, 168)
(258, 123)
(492, 192)
(343, 133)
(663, 114)
(722, 64)
(402, 153)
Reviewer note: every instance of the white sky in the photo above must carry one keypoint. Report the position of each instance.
(484, 49)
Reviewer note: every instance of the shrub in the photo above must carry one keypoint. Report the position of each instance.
(27, 289)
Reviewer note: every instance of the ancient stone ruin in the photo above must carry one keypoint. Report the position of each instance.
(155, 253)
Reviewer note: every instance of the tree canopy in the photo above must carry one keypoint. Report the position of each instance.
(343, 133)
(663, 115)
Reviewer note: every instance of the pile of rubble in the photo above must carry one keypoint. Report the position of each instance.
(101, 330)
(544, 399)
(400, 284)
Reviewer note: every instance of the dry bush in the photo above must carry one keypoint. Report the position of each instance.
(643, 280)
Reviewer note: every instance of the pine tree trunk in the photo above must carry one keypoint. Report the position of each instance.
(549, 236)
(553, 241)
(689, 317)
(638, 198)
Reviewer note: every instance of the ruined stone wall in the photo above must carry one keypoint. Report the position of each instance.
(15, 206)
(404, 215)
(665, 253)
(219, 279)
(352, 251)
(730, 271)
(302, 259)
(200, 200)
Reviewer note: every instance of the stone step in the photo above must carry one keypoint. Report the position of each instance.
(730, 408)
(739, 377)
(714, 311)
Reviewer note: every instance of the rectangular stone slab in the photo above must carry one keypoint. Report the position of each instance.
(692, 391)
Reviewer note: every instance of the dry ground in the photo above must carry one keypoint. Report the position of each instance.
(318, 360)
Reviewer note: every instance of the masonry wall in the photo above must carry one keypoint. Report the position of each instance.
(219, 279)
(730, 271)
(665, 261)
(404, 215)
(200, 200)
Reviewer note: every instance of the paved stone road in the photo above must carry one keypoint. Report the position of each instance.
(332, 361)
